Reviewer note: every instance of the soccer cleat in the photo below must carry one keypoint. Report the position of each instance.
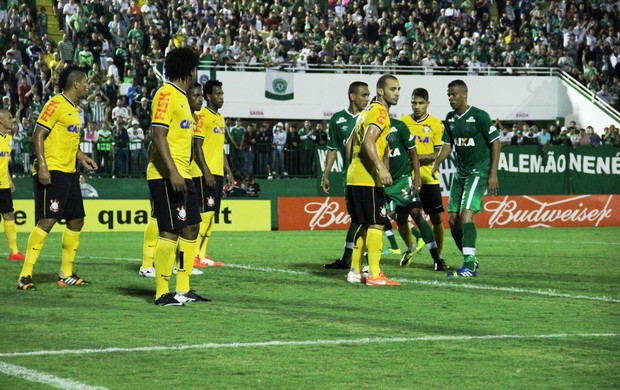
(168, 299)
(391, 251)
(338, 264)
(25, 283)
(16, 256)
(419, 245)
(380, 280)
(191, 296)
(147, 272)
(205, 262)
(72, 280)
(405, 261)
(440, 265)
(354, 278)
(464, 272)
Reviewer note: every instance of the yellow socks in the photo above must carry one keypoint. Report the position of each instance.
(359, 247)
(35, 244)
(70, 244)
(150, 242)
(185, 263)
(165, 253)
(11, 235)
(206, 226)
(374, 243)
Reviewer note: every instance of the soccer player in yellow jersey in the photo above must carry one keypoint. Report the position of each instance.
(57, 194)
(428, 131)
(6, 184)
(168, 174)
(366, 177)
(209, 166)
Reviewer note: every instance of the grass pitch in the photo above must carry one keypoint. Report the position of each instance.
(543, 313)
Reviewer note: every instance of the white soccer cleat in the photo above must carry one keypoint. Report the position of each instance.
(147, 272)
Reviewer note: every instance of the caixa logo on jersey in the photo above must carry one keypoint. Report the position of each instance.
(218, 130)
(185, 124)
(73, 129)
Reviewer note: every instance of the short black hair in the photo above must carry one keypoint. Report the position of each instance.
(421, 93)
(207, 88)
(458, 83)
(69, 75)
(180, 63)
(382, 82)
(356, 85)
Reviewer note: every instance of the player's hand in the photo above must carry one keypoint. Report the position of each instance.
(210, 181)
(230, 178)
(493, 184)
(325, 184)
(384, 175)
(417, 185)
(89, 164)
(44, 176)
(177, 182)
(12, 186)
(434, 170)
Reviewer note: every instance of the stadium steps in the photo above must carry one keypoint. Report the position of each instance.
(52, 20)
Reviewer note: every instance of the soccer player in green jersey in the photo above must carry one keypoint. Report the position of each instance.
(470, 131)
(340, 127)
(403, 195)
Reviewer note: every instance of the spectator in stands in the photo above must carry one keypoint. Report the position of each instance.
(277, 155)
(137, 149)
(236, 136)
(605, 95)
(121, 148)
(595, 139)
(506, 134)
(104, 148)
(88, 191)
(544, 137)
(65, 49)
(583, 138)
(252, 188)
(89, 139)
(292, 149)
(517, 139)
(249, 144)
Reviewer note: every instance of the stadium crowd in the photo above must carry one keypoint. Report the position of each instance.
(122, 45)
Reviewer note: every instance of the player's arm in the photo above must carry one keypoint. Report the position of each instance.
(369, 156)
(415, 166)
(163, 149)
(88, 162)
(229, 174)
(202, 163)
(445, 151)
(329, 162)
(38, 140)
(493, 182)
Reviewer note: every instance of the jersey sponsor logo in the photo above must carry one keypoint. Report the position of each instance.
(381, 117)
(422, 140)
(49, 111)
(185, 124)
(73, 129)
(162, 106)
(464, 142)
(217, 130)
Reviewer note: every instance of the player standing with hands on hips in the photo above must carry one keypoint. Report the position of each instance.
(476, 140)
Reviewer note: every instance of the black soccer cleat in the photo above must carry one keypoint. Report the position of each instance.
(338, 264)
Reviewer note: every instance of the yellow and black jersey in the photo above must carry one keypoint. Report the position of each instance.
(427, 132)
(170, 109)
(357, 174)
(6, 144)
(212, 129)
(60, 117)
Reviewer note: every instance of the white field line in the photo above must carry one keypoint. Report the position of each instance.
(46, 379)
(276, 343)
(434, 283)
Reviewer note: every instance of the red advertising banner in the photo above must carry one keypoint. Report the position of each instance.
(328, 213)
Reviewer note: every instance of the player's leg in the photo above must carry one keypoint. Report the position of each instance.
(211, 199)
(387, 230)
(402, 220)
(454, 208)
(148, 249)
(432, 204)
(429, 238)
(345, 261)
(376, 214)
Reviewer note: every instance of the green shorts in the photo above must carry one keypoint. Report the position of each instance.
(466, 193)
(399, 196)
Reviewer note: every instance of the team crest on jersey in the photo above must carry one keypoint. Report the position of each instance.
(471, 119)
(181, 213)
(426, 128)
(210, 201)
(340, 120)
(383, 211)
(54, 205)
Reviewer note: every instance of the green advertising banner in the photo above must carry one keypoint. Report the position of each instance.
(528, 170)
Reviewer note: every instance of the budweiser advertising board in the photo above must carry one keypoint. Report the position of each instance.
(323, 213)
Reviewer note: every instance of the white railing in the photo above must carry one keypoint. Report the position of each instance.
(598, 102)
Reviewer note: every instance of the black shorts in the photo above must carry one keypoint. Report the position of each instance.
(6, 201)
(367, 205)
(432, 202)
(209, 198)
(174, 210)
(60, 200)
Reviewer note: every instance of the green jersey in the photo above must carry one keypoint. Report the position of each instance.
(400, 141)
(471, 135)
(340, 127)
(236, 134)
